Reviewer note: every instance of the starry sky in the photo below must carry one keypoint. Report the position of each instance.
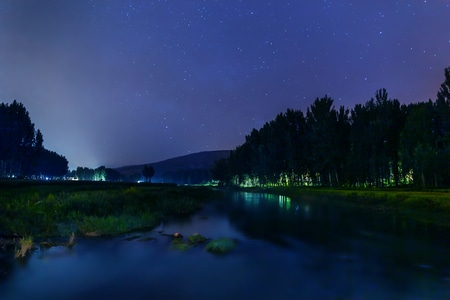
(126, 82)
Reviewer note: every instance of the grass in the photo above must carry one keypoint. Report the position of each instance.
(58, 209)
(63, 209)
(26, 244)
(114, 225)
(71, 242)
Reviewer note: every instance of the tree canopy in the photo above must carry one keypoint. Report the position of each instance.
(378, 143)
(148, 172)
(22, 153)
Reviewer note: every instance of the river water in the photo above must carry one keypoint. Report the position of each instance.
(305, 248)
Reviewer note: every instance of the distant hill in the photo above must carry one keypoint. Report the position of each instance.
(187, 169)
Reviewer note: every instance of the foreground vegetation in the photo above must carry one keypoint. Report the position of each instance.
(38, 212)
(59, 209)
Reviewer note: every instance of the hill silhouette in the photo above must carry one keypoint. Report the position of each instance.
(188, 169)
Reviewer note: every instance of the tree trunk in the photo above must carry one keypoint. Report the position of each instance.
(423, 180)
(337, 177)
(329, 178)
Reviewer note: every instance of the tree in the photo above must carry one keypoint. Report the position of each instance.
(342, 145)
(296, 147)
(321, 122)
(373, 158)
(112, 175)
(148, 172)
(20, 144)
(425, 140)
(376, 144)
(220, 171)
(84, 173)
(443, 94)
(34, 159)
(51, 164)
(100, 174)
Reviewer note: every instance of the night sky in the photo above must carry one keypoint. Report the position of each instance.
(128, 82)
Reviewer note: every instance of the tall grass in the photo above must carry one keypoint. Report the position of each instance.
(59, 209)
(25, 245)
(113, 225)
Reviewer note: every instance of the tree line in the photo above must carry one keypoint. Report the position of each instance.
(99, 174)
(22, 153)
(379, 143)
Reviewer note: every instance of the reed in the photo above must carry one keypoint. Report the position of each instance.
(26, 244)
(59, 208)
(71, 242)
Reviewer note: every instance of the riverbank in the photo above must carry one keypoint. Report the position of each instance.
(59, 210)
(431, 206)
(283, 248)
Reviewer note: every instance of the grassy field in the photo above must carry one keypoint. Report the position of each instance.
(59, 209)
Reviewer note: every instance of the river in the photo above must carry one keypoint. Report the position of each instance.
(305, 248)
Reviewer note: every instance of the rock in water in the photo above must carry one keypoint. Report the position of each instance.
(221, 245)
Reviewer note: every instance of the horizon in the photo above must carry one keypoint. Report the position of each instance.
(164, 160)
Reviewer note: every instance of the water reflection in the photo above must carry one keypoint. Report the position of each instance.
(287, 248)
(253, 199)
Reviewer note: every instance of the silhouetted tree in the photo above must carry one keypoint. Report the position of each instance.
(376, 144)
(112, 175)
(148, 172)
(321, 121)
(52, 164)
(296, 147)
(443, 94)
(39, 145)
(425, 140)
(84, 173)
(20, 144)
(220, 171)
(98, 174)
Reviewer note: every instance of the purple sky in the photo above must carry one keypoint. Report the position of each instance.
(128, 82)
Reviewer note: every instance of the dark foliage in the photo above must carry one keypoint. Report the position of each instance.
(51, 164)
(22, 153)
(380, 143)
(148, 172)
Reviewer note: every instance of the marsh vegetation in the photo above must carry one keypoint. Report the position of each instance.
(68, 209)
